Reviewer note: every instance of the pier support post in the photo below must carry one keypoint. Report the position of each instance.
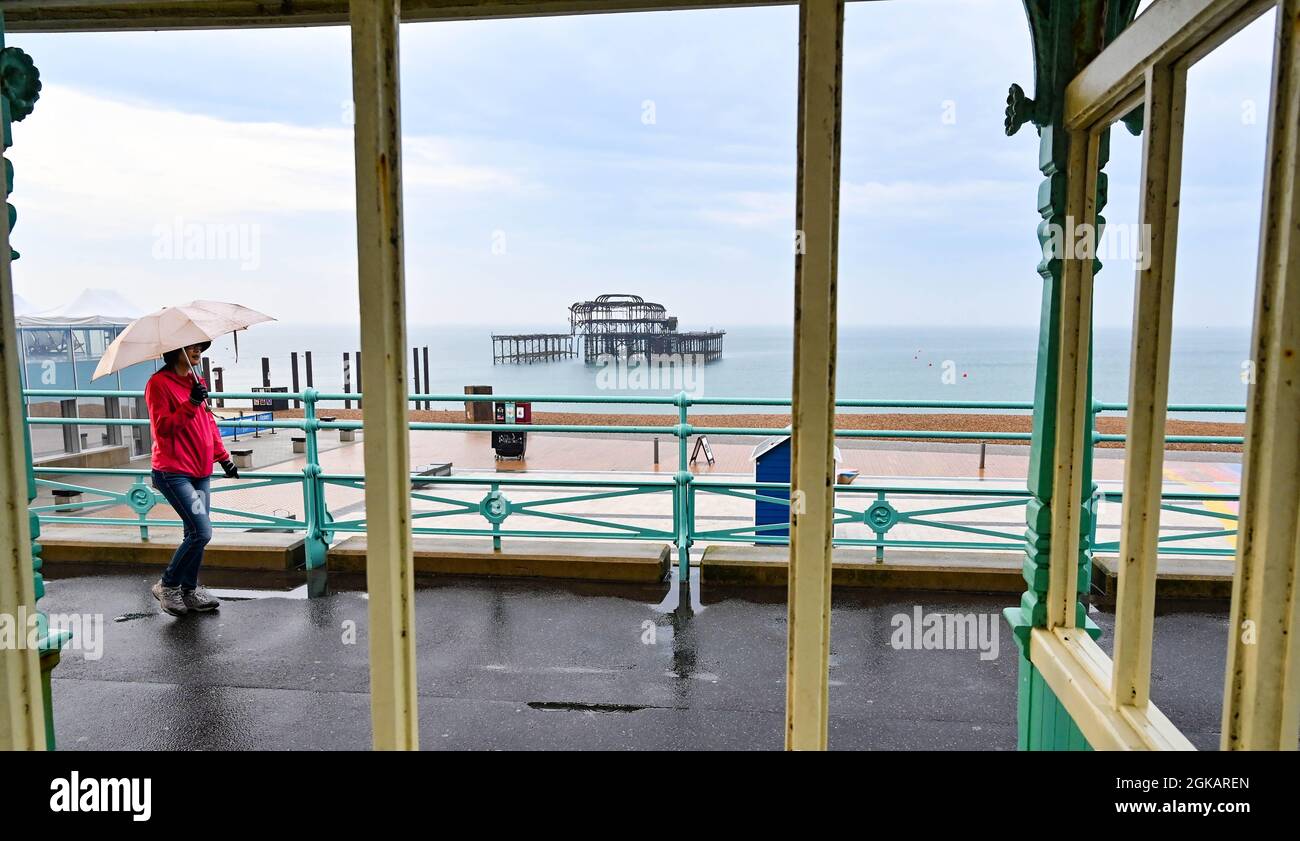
(812, 495)
(415, 374)
(389, 564)
(347, 380)
(427, 404)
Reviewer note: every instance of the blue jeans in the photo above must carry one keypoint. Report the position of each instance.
(192, 499)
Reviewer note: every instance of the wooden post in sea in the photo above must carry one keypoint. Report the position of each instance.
(347, 381)
(415, 373)
(427, 404)
(293, 369)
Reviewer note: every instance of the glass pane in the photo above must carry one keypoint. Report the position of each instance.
(88, 346)
(48, 365)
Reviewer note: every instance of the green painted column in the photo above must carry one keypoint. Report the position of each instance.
(20, 87)
(1065, 34)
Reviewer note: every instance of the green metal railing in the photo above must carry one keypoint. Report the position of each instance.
(878, 508)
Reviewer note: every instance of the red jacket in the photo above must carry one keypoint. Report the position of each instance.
(185, 436)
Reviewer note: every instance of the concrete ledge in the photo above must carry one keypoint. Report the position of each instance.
(1176, 578)
(229, 549)
(767, 566)
(591, 560)
(115, 455)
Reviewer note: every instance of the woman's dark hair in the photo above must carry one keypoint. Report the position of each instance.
(170, 357)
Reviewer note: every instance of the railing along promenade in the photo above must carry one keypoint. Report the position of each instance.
(880, 508)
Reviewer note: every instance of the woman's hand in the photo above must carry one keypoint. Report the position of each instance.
(232, 472)
(198, 393)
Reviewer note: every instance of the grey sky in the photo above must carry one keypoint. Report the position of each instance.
(553, 159)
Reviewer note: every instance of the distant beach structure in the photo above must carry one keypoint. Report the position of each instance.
(613, 325)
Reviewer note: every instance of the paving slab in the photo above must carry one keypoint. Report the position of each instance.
(1176, 577)
(229, 549)
(626, 560)
(768, 566)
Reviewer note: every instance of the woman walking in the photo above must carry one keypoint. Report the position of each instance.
(186, 442)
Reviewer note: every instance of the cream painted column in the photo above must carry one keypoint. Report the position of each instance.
(1261, 700)
(1071, 410)
(812, 497)
(389, 567)
(22, 712)
(1148, 395)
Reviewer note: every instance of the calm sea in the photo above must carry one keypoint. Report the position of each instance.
(908, 363)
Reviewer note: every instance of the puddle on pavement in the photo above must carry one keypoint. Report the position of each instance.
(581, 707)
(673, 599)
(127, 617)
(317, 586)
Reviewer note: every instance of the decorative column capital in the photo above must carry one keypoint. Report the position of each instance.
(1059, 45)
(20, 82)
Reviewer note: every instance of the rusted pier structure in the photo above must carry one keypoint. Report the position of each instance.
(629, 326)
(706, 346)
(527, 348)
(615, 313)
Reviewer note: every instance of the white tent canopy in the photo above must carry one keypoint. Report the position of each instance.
(22, 306)
(93, 307)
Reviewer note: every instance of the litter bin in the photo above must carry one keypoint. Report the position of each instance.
(511, 444)
(270, 403)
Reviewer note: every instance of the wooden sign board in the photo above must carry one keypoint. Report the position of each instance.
(702, 445)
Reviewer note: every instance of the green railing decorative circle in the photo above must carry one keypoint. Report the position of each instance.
(495, 507)
(141, 500)
(880, 516)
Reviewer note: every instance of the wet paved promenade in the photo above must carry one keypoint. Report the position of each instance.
(527, 664)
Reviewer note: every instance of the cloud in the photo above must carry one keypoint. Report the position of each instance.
(111, 163)
(925, 199)
(752, 208)
(912, 200)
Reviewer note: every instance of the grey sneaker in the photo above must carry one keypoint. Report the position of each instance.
(199, 600)
(170, 598)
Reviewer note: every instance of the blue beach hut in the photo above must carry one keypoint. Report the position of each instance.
(772, 464)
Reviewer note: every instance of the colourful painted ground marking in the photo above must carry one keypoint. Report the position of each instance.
(1209, 477)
